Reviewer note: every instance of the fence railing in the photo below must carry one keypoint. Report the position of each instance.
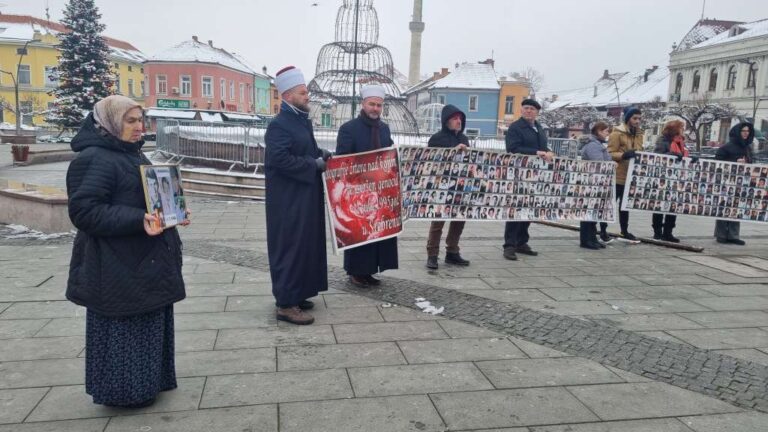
(243, 145)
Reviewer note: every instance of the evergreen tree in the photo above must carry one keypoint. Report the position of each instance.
(84, 68)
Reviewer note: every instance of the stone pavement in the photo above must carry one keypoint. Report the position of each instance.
(366, 365)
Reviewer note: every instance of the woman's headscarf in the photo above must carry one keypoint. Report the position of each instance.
(110, 112)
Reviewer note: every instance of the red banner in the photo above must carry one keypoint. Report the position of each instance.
(363, 197)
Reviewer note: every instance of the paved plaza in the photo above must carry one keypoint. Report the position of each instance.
(632, 338)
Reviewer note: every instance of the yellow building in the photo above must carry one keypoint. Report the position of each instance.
(511, 97)
(37, 72)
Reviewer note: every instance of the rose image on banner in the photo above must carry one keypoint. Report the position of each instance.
(363, 197)
(705, 188)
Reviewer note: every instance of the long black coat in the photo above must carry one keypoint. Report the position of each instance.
(736, 147)
(116, 268)
(446, 138)
(521, 138)
(295, 209)
(355, 137)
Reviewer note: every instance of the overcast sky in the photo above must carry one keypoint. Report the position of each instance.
(569, 41)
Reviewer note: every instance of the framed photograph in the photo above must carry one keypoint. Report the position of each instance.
(164, 194)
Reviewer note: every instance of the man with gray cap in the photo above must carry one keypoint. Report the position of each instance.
(365, 133)
(293, 166)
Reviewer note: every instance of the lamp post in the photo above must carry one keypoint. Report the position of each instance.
(21, 52)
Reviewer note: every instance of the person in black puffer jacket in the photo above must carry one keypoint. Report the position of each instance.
(125, 270)
(450, 136)
(738, 149)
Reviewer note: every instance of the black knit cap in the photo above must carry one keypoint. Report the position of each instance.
(532, 102)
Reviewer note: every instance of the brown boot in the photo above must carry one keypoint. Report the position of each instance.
(294, 315)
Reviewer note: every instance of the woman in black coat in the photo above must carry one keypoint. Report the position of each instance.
(125, 269)
(738, 149)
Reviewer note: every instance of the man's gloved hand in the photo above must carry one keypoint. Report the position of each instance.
(679, 157)
(629, 154)
(320, 164)
(326, 154)
(694, 159)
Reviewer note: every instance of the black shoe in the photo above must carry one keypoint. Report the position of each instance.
(670, 238)
(358, 281)
(304, 305)
(600, 245)
(594, 246)
(372, 280)
(509, 253)
(737, 242)
(605, 237)
(722, 240)
(657, 235)
(626, 235)
(455, 258)
(526, 250)
(432, 263)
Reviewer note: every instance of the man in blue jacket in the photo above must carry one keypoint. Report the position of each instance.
(525, 136)
(293, 166)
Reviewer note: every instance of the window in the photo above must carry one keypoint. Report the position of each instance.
(130, 88)
(130, 68)
(231, 90)
(207, 87)
(713, 80)
(473, 103)
(274, 94)
(223, 89)
(186, 85)
(325, 120)
(117, 84)
(441, 99)
(730, 83)
(117, 65)
(51, 77)
(162, 85)
(242, 92)
(472, 133)
(509, 105)
(24, 78)
(143, 88)
(751, 76)
(678, 83)
(696, 82)
(26, 109)
(142, 70)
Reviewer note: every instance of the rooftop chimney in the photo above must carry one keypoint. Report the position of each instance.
(605, 74)
(210, 43)
(443, 71)
(194, 38)
(435, 75)
(488, 62)
(264, 70)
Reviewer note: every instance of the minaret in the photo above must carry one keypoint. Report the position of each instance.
(417, 28)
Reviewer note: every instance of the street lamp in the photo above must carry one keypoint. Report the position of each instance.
(21, 52)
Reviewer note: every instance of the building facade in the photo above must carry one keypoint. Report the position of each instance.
(511, 96)
(37, 73)
(197, 75)
(728, 65)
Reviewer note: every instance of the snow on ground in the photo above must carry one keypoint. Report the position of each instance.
(14, 231)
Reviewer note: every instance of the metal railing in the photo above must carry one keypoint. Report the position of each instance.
(243, 145)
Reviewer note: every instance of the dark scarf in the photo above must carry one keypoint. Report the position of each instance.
(375, 127)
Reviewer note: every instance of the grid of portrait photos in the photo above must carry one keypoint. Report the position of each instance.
(487, 185)
(164, 194)
(709, 188)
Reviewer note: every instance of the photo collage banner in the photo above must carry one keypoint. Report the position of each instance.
(445, 184)
(706, 188)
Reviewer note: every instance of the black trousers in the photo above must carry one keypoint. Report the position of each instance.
(623, 215)
(588, 232)
(662, 221)
(516, 234)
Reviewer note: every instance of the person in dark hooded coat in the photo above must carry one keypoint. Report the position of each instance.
(125, 269)
(365, 133)
(293, 167)
(738, 149)
(450, 136)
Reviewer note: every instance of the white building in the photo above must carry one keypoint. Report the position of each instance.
(723, 62)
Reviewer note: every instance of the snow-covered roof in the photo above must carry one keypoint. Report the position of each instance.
(703, 30)
(633, 88)
(176, 114)
(199, 52)
(211, 117)
(247, 117)
(23, 28)
(737, 32)
(470, 76)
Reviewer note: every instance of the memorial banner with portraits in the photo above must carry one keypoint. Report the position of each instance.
(164, 194)
(706, 188)
(446, 184)
(363, 197)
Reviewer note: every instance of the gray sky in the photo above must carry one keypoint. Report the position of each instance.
(569, 41)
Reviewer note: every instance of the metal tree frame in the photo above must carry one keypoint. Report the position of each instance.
(355, 59)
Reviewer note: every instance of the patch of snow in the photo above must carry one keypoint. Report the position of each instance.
(23, 232)
(427, 307)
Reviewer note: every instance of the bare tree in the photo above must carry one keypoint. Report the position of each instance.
(532, 76)
(700, 113)
(29, 106)
(561, 120)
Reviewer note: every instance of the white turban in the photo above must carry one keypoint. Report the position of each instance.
(288, 78)
(373, 90)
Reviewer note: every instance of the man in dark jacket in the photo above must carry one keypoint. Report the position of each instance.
(365, 133)
(525, 136)
(738, 149)
(294, 198)
(450, 136)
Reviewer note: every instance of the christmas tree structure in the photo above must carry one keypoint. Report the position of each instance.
(84, 69)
